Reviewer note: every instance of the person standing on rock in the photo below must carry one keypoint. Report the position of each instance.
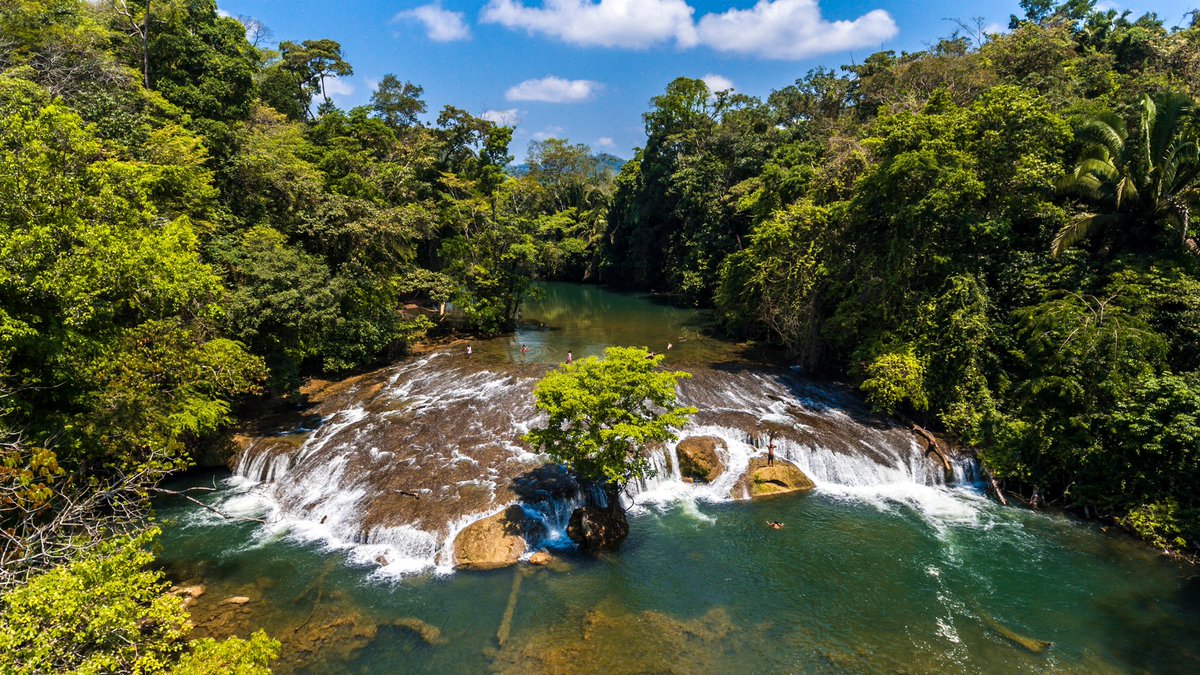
(771, 450)
(469, 351)
(524, 351)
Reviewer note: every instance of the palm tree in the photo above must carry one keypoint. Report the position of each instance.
(1138, 183)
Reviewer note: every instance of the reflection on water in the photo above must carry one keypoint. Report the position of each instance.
(584, 320)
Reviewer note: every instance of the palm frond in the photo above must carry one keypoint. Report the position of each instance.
(1098, 167)
(1086, 186)
(1077, 230)
(1105, 130)
(1170, 112)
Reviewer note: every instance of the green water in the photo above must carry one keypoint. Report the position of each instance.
(583, 320)
(847, 585)
(894, 578)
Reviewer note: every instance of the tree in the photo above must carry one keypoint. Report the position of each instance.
(309, 64)
(139, 28)
(603, 413)
(108, 612)
(1140, 177)
(397, 103)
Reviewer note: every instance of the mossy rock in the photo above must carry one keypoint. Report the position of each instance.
(761, 480)
(699, 459)
(494, 542)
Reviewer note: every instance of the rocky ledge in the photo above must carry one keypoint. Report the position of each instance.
(761, 480)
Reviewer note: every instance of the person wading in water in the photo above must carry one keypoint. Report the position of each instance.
(570, 357)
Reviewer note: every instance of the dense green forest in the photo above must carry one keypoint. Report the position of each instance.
(189, 221)
(992, 236)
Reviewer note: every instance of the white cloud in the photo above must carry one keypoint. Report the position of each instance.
(717, 82)
(504, 118)
(791, 29)
(336, 87)
(548, 132)
(223, 14)
(553, 90)
(605, 142)
(634, 24)
(440, 25)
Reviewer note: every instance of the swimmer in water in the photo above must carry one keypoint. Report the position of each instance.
(775, 524)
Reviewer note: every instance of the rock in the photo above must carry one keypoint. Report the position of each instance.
(698, 458)
(188, 591)
(429, 633)
(541, 558)
(236, 600)
(494, 542)
(545, 483)
(761, 480)
(598, 529)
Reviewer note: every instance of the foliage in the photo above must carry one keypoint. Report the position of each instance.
(1140, 180)
(994, 234)
(107, 612)
(604, 412)
(233, 655)
(893, 380)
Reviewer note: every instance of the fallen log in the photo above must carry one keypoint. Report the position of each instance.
(934, 447)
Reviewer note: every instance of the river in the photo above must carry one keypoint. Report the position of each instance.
(884, 566)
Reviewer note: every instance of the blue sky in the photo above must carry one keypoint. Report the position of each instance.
(586, 69)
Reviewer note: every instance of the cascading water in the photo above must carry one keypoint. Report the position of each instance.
(406, 457)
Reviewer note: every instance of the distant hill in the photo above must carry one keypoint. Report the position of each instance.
(611, 162)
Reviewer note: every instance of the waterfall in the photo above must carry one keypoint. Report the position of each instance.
(406, 457)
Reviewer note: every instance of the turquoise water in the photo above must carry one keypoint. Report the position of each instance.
(893, 577)
(850, 583)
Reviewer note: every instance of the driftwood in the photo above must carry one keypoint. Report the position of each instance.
(197, 502)
(1032, 644)
(511, 608)
(935, 448)
(995, 487)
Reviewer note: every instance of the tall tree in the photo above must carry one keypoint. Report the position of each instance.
(311, 63)
(397, 103)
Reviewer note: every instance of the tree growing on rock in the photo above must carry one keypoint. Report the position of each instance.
(603, 413)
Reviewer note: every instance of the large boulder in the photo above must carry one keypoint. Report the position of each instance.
(761, 480)
(698, 458)
(494, 542)
(598, 529)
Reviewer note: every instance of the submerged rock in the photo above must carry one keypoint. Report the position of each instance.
(698, 458)
(609, 639)
(494, 542)
(431, 634)
(761, 480)
(598, 529)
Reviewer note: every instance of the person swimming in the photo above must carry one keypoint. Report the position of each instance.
(775, 524)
